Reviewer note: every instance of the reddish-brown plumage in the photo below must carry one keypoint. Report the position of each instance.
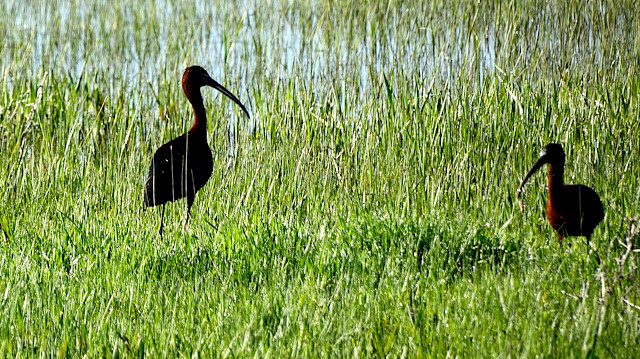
(572, 210)
(182, 166)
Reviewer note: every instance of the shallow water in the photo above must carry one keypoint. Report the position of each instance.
(307, 41)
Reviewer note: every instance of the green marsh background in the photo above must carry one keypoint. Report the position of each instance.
(366, 209)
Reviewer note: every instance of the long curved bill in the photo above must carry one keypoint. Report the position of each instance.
(541, 162)
(213, 83)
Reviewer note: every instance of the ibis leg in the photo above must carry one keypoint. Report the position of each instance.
(161, 222)
(189, 204)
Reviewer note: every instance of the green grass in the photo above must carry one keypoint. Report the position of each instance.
(369, 207)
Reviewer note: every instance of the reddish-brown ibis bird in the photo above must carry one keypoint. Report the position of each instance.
(572, 210)
(182, 166)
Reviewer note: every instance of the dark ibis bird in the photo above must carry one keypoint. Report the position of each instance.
(182, 166)
(572, 210)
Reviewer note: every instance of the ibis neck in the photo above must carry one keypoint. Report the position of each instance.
(199, 126)
(555, 174)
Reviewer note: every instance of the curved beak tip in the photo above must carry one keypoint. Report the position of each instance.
(213, 83)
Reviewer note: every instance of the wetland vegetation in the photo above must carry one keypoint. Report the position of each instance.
(366, 209)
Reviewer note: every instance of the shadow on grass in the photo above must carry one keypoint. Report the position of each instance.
(267, 253)
(438, 248)
(181, 263)
(455, 254)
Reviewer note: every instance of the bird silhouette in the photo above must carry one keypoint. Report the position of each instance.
(572, 210)
(182, 166)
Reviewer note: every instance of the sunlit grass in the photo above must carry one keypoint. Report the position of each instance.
(369, 206)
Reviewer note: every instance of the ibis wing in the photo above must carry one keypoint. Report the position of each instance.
(164, 182)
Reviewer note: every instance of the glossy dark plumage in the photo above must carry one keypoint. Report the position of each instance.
(170, 178)
(182, 166)
(572, 210)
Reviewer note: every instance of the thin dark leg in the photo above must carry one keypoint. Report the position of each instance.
(161, 222)
(189, 204)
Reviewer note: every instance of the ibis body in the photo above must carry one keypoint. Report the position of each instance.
(572, 210)
(182, 166)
